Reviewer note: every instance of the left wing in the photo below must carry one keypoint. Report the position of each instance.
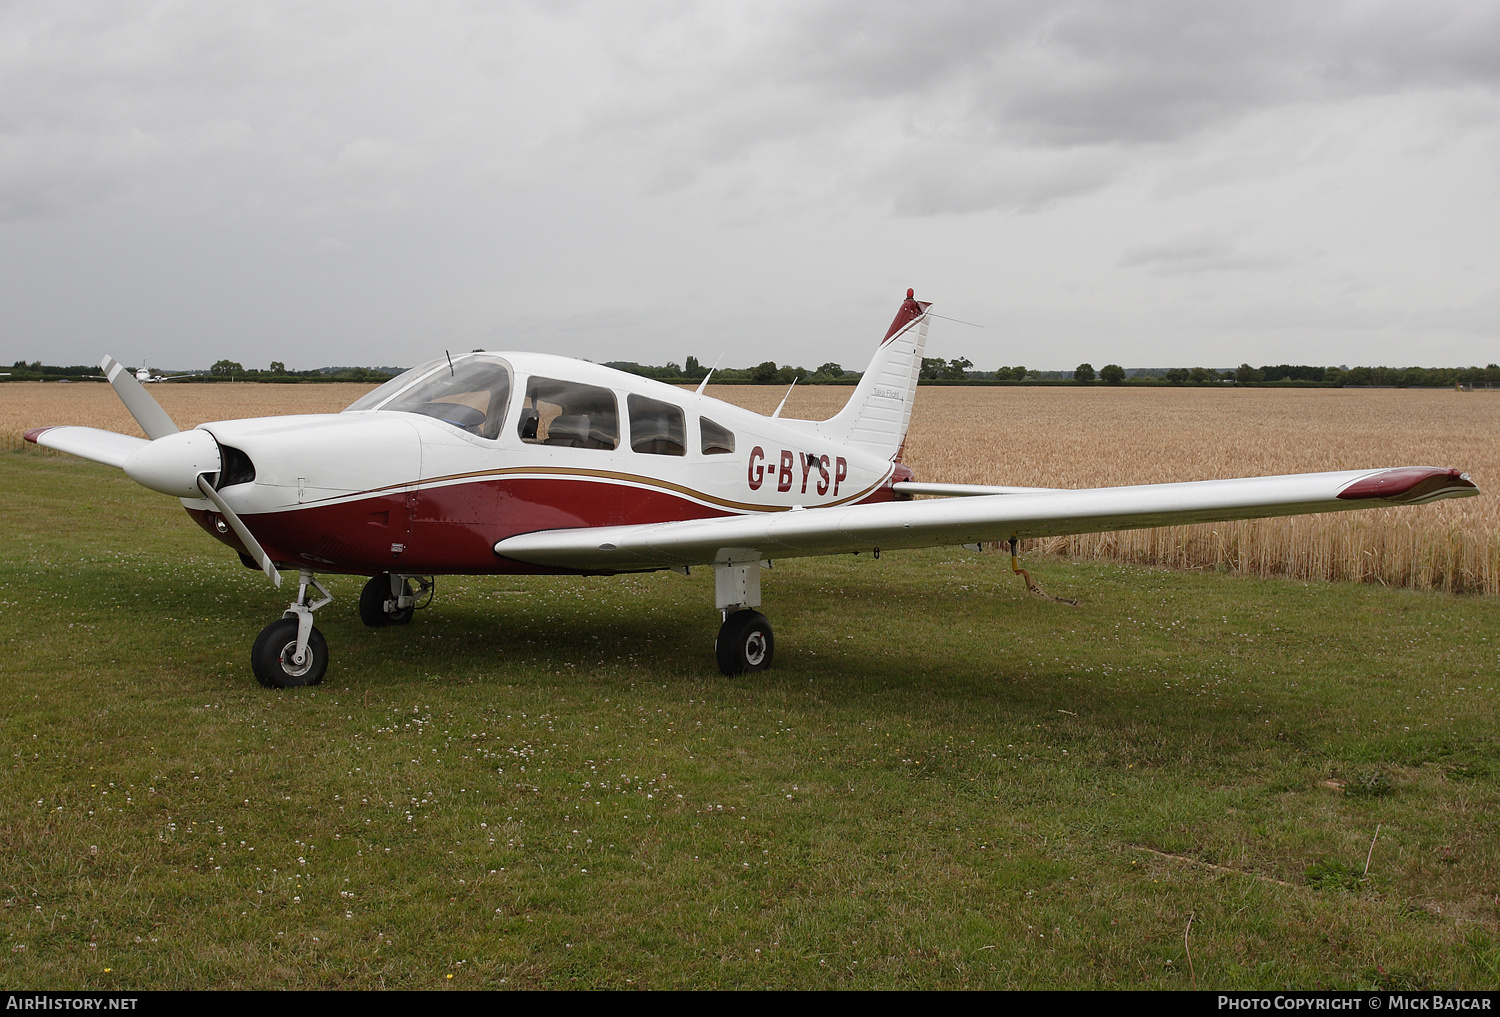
(907, 524)
(105, 447)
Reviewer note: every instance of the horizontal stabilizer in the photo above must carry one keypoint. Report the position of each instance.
(953, 521)
(105, 447)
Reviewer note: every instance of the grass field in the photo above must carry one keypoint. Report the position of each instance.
(1088, 437)
(943, 783)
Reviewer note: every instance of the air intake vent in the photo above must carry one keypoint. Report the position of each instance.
(237, 468)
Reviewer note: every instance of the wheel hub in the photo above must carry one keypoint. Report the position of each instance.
(755, 648)
(289, 661)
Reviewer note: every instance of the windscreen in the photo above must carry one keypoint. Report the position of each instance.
(370, 400)
(473, 393)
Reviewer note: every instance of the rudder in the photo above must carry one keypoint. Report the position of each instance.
(878, 413)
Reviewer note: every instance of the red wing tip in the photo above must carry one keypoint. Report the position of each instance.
(1408, 484)
(36, 432)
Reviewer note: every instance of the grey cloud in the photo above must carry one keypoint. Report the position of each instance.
(323, 105)
(672, 96)
(871, 84)
(1099, 71)
(1192, 256)
(948, 179)
(379, 171)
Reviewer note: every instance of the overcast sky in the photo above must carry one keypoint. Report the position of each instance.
(1150, 184)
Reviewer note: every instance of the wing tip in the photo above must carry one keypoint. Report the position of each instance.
(1410, 484)
(34, 433)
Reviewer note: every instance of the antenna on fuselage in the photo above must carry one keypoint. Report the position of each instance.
(704, 383)
(451, 371)
(784, 399)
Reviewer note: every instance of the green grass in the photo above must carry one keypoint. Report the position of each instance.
(944, 782)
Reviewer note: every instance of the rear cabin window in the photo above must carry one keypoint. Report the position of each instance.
(570, 415)
(716, 440)
(656, 428)
(471, 392)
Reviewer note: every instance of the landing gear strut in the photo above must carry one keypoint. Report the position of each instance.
(290, 652)
(745, 641)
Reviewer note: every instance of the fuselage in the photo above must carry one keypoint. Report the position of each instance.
(427, 473)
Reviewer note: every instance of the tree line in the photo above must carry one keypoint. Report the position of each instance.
(768, 372)
(957, 371)
(222, 370)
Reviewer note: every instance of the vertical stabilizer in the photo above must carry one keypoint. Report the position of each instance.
(879, 412)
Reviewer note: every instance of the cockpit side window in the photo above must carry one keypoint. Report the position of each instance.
(568, 414)
(471, 392)
(716, 440)
(656, 428)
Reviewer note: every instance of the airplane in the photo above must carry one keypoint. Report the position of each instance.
(529, 463)
(143, 374)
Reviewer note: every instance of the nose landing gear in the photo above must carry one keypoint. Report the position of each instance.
(290, 652)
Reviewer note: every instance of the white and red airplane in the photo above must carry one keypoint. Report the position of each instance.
(529, 463)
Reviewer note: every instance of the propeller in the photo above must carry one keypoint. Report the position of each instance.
(175, 462)
(240, 530)
(146, 411)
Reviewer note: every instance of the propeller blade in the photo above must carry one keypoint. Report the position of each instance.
(240, 530)
(146, 411)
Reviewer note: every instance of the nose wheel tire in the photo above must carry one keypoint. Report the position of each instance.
(745, 643)
(374, 598)
(273, 658)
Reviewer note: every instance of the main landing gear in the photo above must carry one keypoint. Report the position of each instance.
(290, 652)
(745, 640)
(745, 643)
(388, 599)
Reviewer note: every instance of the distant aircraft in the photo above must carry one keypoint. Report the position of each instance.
(528, 463)
(143, 374)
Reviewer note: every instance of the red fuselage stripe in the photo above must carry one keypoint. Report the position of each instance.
(453, 528)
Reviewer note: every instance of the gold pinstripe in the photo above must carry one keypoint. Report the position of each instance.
(608, 475)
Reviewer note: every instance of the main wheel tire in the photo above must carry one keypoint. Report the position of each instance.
(745, 643)
(372, 601)
(272, 656)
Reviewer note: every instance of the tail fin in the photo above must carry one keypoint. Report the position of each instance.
(877, 415)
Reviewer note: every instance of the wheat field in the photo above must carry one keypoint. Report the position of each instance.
(1085, 437)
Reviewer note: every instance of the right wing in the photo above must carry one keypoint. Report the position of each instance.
(908, 524)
